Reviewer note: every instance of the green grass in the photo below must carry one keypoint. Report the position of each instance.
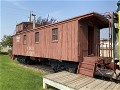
(15, 77)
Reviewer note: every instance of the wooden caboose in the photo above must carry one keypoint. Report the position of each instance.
(64, 43)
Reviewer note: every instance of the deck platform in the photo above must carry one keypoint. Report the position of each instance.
(69, 81)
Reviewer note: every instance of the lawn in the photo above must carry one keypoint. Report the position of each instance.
(15, 77)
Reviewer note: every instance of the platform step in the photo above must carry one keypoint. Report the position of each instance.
(86, 72)
(90, 59)
(87, 67)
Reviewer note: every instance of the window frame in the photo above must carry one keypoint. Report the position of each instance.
(55, 34)
(37, 37)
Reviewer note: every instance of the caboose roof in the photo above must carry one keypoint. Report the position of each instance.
(98, 19)
(26, 23)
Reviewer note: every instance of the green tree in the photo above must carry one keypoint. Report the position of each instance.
(7, 41)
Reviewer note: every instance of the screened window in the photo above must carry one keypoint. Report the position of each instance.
(24, 39)
(55, 34)
(36, 36)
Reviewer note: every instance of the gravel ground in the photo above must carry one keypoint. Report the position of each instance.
(45, 69)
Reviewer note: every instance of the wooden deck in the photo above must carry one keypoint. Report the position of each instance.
(69, 81)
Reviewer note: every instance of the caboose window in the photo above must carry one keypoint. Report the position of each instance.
(55, 34)
(36, 36)
(24, 39)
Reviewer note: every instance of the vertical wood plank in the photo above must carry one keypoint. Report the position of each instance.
(69, 42)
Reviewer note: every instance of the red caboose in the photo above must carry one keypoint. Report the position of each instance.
(63, 44)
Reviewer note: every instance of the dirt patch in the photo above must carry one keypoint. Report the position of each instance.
(38, 68)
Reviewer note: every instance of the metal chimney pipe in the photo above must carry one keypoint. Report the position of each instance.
(34, 20)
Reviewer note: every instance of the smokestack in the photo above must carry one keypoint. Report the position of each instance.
(34, 20)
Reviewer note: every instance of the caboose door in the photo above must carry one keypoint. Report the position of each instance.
(90, 40)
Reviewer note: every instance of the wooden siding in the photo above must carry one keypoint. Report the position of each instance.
(65, 49)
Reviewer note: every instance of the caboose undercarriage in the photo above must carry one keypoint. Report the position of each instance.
(56, 65)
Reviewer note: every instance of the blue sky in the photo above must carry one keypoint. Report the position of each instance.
(16, 11)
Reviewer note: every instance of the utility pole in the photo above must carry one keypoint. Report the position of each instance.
(118, 4)
(30, 17)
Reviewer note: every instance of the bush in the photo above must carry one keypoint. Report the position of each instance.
(10, 51)
(6, 53)
(3, 53)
